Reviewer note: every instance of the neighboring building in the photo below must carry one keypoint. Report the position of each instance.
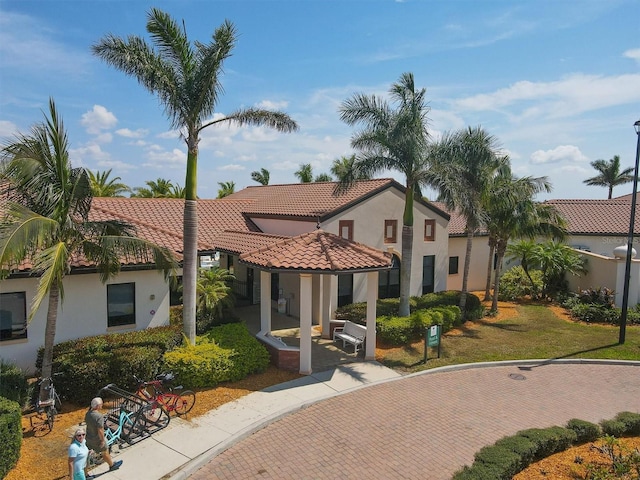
(369, 213)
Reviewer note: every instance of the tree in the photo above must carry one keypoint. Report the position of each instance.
(103, 186)
(226, 189)
(187, 80)
(160, 188)
(305, 173)
(214, 294)
(609, 174)
(323, 177)
(47, 221)
(463, 166)
(262, 176)
(394, 137)
(343, 169)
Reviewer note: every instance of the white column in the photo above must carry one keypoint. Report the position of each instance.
(316, 298)
(372, 297)
(305, 323)
(326, 304)
(265, 302)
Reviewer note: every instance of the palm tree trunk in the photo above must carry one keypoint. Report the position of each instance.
(190, 249)
(50, 331)
(465, 275)
(496, 288)
(487, 286)
(407, 253)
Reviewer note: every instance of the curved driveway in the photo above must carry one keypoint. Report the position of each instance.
(426, 425)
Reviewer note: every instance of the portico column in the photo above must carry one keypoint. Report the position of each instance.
(305, 323)
(265, 302)
(372, 297)
(326, 305)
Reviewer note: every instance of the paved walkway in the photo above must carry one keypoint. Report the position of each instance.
(426, 425)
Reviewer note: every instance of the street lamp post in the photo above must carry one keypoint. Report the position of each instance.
(627, 269)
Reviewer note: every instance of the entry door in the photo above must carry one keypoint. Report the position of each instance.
(428, 269)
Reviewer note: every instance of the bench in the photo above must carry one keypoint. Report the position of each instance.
(350, 333)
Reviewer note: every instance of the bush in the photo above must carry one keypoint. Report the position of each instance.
(508, 462)
(585, 431)
(631, 421)
(515, 285)
(13, 383)
(594, 313)
(549, 440)
(394, 330)
(615, 428)
(88, 364)
(10, 434)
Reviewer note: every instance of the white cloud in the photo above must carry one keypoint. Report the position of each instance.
(231, 167)
(7, 128)
(139, 133)
(105, 137)
(86, 154)
(562, 153)
(158, 157)
(98, 119)
(170, 134)
(633, 54)
(271, 105)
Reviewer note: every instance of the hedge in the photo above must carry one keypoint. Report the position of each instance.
(13, 383)
(10, 434)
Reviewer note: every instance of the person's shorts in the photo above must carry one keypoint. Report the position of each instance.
(97, 447)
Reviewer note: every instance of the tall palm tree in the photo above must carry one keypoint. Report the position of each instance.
(160, 188)
(393, 137)
(305, 173)
(609, 174)
(323, 177)
(261, 176)
(226, 189)
(187, 79)
(343, 169)
(103, 186)
(463, 166)
(47, 223)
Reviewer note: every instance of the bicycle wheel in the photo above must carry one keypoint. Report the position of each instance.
(185, 402)
(153, 413)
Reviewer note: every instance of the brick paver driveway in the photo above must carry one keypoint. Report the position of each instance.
(426, 426)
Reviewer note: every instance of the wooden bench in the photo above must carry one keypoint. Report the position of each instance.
(350, 333)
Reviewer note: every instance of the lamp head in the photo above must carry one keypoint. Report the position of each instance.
(637, 127)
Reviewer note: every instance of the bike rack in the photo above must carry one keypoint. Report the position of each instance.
(117, 399)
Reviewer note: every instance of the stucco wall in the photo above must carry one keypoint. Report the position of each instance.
(478, 269)
(84, 311)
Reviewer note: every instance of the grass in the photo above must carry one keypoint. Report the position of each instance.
(526, 331)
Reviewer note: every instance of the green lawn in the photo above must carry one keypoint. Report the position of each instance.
(535, 333)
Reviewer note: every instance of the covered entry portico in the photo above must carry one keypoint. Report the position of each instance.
(316, 258)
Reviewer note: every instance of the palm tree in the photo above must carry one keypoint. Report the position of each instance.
(187, 80)
(610, 175)
(160, 188)
(103, 186)
(47, 223)
(392, 139)
(305, 173)
(262, 176)
(463, 166)
(323, 177)
(226, 189)
(343, 169)
(176, 192)
(214, 292)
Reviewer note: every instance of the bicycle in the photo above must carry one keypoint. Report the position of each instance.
(45, 400)
(160, 395)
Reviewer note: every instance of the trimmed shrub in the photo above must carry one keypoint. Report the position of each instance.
(249, 355)
(514, 284)
(394, 330)
(13, 383)
(549, 440)
(508, 462)
(480, 471)
(624, 423)
(523, 446)
(615, 428)
(10, 434)
(88, 364)
(585, 431)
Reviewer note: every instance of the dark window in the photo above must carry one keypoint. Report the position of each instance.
(345, 228)
(429, 230)
(345, 289)
(390, 231)
(13, 316)
(275, 286)
(389, 280)
(121, 304)
(428, 263)
(175, 292)
(453, 265)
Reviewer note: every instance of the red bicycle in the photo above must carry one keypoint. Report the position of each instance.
(161, 395)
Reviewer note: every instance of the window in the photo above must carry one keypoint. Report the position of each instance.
(345, 289)
(346, 229)
(453, 265)
(275, 286)
(428, 264)
(13, 316)
(389, 280)
(429, 230)
(175, 292)
(121, 304)
(390, 231)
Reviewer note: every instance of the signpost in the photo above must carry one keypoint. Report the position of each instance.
(432, 339)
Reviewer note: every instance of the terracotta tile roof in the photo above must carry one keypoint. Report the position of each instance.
(244, 242)
(318, 251)
(601, 217)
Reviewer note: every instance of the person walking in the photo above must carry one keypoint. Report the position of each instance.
(78, 453)
(96, 440)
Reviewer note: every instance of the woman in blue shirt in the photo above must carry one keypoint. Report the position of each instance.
(78, 453)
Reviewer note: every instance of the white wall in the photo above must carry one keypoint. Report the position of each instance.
(84, 311)
(600, 244)
(478, 269)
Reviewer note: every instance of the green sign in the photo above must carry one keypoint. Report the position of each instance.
(433, 336)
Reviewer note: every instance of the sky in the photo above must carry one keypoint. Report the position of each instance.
(557, 82)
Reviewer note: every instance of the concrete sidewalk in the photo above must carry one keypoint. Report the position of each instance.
(184, 446)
